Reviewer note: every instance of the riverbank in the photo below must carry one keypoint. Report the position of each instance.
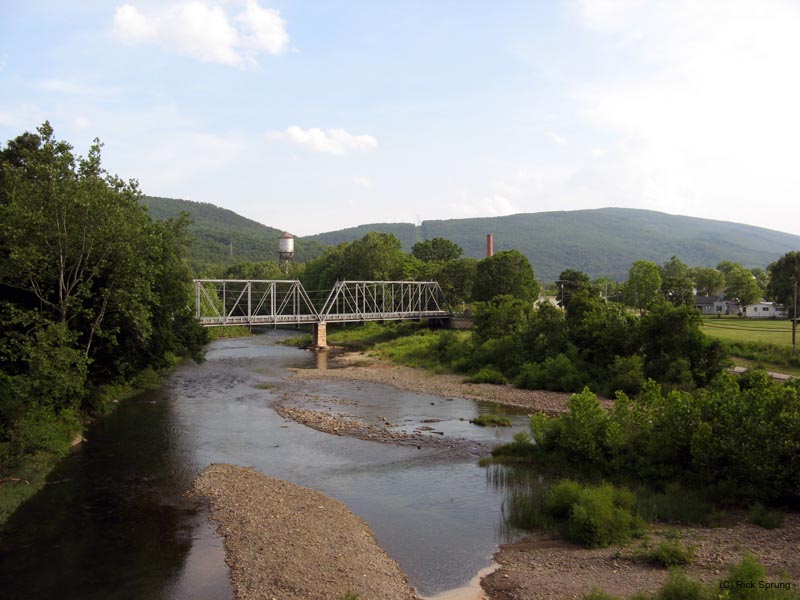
(543, 566)
(290, 542)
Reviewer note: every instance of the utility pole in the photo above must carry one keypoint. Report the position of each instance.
(794, 316)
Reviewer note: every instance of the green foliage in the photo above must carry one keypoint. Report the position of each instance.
(675, 350)
(220, 237)
(437, 249)
(489, 420)
(733, 443)
(747, 581)
(569, 282)
(679, 587)
(487, 374)
(740, 285)
(505, 273)
(93, 294)
(678, 505)
(667, 554)
(597, 594)
(761, 516)
(593, 516)
(644, 282)
(599, 242)
(708, 281)
(625, 374)
(559, 373)
(676, 282)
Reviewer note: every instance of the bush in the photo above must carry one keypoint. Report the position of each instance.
(677, 505)
(668, 554)
(491, 421)
(679, 587)
(759, 515)
(593, 516)
(41, 429)
(488, 374)
(625, 374)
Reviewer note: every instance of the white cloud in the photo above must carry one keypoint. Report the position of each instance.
(493, 205)
(364, 182)
(705, 112)
(330, 141)
(81, 122)
(61, 86)
(206, 32)
(263, 29)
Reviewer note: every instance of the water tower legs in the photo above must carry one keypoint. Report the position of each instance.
(320, 335)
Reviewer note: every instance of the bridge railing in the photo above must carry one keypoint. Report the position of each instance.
(383, 300)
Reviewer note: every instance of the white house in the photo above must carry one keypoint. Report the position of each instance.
(765, 310)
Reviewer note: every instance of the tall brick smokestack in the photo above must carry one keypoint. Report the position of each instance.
(489, 245)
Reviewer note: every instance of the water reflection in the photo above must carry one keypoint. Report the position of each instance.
(120, 526)
(524, 491)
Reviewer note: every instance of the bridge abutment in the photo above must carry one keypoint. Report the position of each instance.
(321, 335)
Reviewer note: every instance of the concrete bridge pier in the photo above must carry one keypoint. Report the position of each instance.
(320, 335)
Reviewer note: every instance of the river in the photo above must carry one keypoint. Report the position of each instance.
(115, 519)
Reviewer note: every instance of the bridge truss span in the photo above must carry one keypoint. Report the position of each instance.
(221, 302)
(383, 301)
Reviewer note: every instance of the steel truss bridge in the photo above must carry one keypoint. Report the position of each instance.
(225, 302)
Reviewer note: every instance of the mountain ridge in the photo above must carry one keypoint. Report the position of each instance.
(600, 241)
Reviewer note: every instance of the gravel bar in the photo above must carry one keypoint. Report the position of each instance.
(287, 542)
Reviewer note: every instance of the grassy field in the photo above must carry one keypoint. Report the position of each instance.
(767, 331)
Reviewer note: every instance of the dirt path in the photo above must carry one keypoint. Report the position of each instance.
(287, 542)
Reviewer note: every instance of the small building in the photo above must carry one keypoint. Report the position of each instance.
(713, 305)
(765, 310)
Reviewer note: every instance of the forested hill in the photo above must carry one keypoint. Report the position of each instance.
(600, 242)
(215, 230)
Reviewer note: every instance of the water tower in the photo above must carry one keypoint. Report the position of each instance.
(286, 251)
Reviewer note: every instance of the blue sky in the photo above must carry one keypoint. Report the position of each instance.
(313, 116)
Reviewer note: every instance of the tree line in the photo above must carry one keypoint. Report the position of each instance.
(93, 292)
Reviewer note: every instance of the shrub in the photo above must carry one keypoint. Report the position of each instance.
(488, 374)
(668, 554)
(677, 505)
(491, 421)
(759, 515)
(679, 587)
(625, 374)
(597, 594)
(559, 374)
(593, 516)
(41, 429)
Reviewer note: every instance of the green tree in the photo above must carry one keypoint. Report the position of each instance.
(437, 249)
(644, 281)
(456, 278)
(505, 273)
(708, 281)
(374, 257)
(675, 350)
(569, 282)
(91, 289)
(783, 286)
(740, 284)
(676, 282)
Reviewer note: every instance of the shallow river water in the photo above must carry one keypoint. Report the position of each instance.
(115, 520)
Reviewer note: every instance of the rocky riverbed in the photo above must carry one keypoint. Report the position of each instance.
(287, 542)
(543, 566)
(357, 366)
